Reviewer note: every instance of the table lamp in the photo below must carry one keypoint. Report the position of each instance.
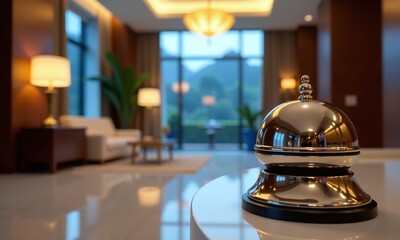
(149, 98)
(51, 72)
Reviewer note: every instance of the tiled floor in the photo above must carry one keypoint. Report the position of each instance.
(106, 206)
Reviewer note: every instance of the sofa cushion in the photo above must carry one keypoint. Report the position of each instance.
(94, 126)
(113, 143)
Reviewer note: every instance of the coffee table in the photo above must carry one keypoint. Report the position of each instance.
(158, 145)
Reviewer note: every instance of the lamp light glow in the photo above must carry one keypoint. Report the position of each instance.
(208, 100)
(308, 18)
(182, 87)
(288, 83)
(149, 196)
(209, 22)
(149, 97)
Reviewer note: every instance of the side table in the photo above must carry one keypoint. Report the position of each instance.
(156, 144)
(51, 146)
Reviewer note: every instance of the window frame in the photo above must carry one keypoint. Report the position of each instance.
(180, 58)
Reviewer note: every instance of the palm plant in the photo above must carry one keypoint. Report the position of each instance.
(122, 89)
(249, 116)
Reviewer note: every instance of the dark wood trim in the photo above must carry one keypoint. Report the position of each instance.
(6, 136)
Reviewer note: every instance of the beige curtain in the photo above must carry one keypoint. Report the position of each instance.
(279, 62)
(148, 60)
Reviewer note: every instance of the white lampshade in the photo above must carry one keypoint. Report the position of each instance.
(50, 71)
(149, 97)
(209, 21)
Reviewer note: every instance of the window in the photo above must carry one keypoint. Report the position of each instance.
(84, 95)
(216, 76)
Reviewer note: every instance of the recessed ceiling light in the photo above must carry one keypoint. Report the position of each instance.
(176, 8)
(308, 18)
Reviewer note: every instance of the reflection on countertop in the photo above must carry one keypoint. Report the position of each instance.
(68, 206)
(221, 217)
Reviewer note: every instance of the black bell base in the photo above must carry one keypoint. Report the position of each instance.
(307, 215)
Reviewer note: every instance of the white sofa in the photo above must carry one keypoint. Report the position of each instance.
(103, 142)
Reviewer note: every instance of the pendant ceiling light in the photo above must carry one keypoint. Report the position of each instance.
(209, 22)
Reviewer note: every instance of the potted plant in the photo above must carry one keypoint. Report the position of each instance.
(173, 124)
(251, 118)
(122, 89)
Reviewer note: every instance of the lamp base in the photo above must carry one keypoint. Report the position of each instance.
(307, 215)
(50, 122)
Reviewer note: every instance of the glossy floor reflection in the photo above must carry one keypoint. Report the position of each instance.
(108, 206)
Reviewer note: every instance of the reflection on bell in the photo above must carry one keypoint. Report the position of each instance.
(307, 148)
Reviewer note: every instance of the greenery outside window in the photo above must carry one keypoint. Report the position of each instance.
(226, 69)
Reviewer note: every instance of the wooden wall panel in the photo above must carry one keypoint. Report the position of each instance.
(29, 26)
(391, 72)
(124, 46)
(355, 64)
(123, 42)
(306, 53)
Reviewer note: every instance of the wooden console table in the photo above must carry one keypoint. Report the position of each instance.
(156, 144)
(51, 146)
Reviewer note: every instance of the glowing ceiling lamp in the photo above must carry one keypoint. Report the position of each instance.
(209, 21)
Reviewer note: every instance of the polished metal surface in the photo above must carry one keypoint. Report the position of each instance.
(307, 147)
(306, 127)
(308, 191)
(313, 161)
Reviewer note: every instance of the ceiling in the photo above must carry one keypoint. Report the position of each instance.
(286, 14)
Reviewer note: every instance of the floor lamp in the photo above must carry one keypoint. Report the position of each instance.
(51, 72)
(149, 98)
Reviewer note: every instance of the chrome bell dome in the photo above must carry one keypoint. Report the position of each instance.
(305, 127)
(307, 148)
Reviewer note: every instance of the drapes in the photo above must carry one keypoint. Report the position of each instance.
(148, 60)
(279, 62)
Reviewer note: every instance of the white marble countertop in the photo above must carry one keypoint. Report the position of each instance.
(216, 211)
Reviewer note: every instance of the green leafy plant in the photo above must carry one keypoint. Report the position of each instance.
(249, 116)
(173, 119)
(122, 89)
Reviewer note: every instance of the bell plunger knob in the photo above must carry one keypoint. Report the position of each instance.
(305, 89)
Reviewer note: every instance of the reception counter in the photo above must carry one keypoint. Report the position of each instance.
(216, 211)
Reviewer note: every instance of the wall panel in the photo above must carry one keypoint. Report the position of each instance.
(306, 53)
(354, 31)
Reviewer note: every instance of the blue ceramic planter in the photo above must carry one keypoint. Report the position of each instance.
(250, 136)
